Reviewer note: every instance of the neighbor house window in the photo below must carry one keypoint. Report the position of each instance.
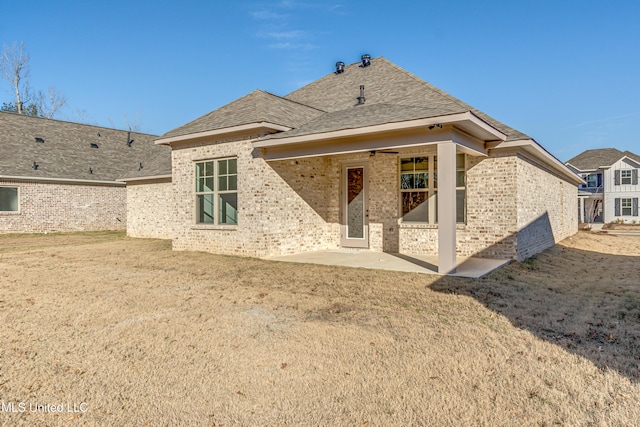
(419, 189)
(625, 177)
(626, 207)
(217, 192)
(592, 180)
(8, 199)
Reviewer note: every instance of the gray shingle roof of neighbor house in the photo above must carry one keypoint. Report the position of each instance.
(392, 94)
(593, 159)
(255, 107)
(67, 151)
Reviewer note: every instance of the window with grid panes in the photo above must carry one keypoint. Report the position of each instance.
(217, 192)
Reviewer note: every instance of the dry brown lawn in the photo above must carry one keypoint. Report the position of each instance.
(132, 333)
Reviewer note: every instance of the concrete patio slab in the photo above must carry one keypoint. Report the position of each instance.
(426, 264)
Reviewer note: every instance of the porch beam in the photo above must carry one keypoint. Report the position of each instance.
(356, 145)
(447, 207)
(468, 143)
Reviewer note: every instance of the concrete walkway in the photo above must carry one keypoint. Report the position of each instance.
(467, 266)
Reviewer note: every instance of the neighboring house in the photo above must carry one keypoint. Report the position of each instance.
(612, 190)
(369, 157)
(61, 176)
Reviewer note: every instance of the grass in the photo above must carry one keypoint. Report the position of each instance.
(147, 336)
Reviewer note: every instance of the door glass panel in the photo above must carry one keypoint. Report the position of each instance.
(355, 203)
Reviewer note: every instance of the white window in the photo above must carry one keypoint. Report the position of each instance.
(8, 199)
(419, 189)
(626, 207)
(217, 192)
(625, 177)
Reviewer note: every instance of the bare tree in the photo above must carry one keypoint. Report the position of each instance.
(14, 67)
(131, 125)
(48, 104)
(134, 124)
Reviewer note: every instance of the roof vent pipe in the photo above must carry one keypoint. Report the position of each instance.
(366, 60)
(339, 67)
(361, 97)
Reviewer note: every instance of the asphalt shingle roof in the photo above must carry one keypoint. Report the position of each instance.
(385, 83)
(67, 153)
(258, 106)
(362, 116)
(593, 159)
(331, 103)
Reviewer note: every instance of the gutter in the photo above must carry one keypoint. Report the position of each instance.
(70, 180)
(144, 178)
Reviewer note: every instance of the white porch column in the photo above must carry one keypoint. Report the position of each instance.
(446, 207)
(581, 209)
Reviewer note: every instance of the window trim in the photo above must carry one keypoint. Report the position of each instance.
(18, 191)
(623, 172)
(623, 207)
(216, 193)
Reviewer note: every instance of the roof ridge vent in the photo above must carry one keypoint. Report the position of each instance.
(339, 67)
(366, 60)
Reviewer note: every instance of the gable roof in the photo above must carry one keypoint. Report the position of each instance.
(594, 159)
(67, 152)
(255, 107)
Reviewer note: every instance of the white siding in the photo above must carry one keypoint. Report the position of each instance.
(613, 191)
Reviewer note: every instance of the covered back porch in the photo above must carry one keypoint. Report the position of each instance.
(359, 191)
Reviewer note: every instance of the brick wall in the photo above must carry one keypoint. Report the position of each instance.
(280, 207)
(291, 206)
(491, 189)
(546, 208)
(53, 207)
(150, 209)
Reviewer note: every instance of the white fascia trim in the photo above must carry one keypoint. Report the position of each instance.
(543, 154)
(630, 159)
(218, 132)
(581, 170)
(144, 178)
(452, 119)
(75, 181)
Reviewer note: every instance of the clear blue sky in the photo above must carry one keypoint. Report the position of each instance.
(566, 73)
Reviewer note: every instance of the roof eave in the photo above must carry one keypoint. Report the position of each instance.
(248, 128)
(631, 159)
(532, 147)
(467, 121)
(61, 180)
(145, 178)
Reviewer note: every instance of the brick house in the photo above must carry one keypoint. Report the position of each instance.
(370, 157)
(61, 176)
(612, 190)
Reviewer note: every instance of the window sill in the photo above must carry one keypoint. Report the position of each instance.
(425, 225)
(9, 212)
(214, 227)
